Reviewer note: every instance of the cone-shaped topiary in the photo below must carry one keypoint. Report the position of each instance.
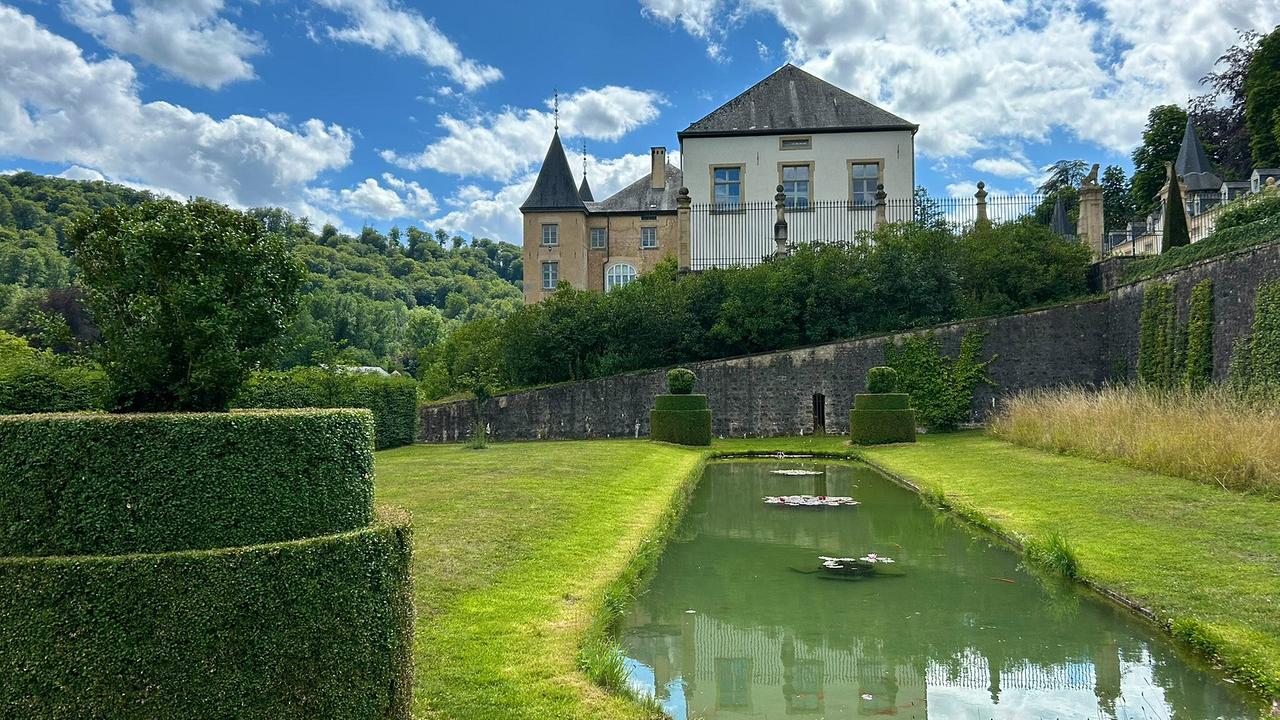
(881, 415)
(681, 417)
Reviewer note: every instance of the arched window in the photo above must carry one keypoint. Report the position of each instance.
(618, 275)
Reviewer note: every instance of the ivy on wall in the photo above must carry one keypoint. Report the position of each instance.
(941, 387)
(1255, 360)
(1158, 337)
(1198, 365)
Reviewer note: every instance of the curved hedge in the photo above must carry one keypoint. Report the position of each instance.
(393, 400)
(680, 419)
(315, 628)
(86, 484)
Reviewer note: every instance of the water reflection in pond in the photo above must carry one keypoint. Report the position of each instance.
(730, 629)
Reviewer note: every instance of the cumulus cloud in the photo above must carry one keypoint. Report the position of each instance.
(503, 145)
(56, 106)
(1003, 167)
(78, 172)
(977, 75)
(391, 199)
(186, 38)
(385, 25)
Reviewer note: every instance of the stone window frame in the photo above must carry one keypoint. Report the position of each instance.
(552, 238)
(604, 238)
(550, 274)
(622, 278)
(742, 185)
(809, 197)
(648, 230)
(849, 165)
(807, 139)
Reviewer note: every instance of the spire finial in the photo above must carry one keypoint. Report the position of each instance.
(584, 159)
(556, 102)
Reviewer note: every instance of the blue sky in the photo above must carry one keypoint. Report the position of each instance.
(386, 112)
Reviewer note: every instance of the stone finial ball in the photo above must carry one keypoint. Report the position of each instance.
(680, 381)
(882, 380)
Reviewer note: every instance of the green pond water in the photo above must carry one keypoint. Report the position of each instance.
(729, 629)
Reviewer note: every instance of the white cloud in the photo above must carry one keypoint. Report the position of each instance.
(384, 25)
(187, 38)
(78, 172)
(1003, 167)
(503, 145)
(977, 75)
(56, 106)
(371, 199)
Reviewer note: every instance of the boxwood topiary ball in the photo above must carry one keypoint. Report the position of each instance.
(680, 381)
(882, 380)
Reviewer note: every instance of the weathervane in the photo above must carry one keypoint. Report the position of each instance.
(584, 158)
(556, 101)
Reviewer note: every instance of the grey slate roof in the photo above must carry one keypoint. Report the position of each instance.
(792, 100)
(584, 191)
(1192, 164)
(639, 197)
(554, 190)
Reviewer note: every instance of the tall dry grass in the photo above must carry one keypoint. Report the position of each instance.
(1211, 435)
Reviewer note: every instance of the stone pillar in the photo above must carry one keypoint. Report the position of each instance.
(1091, 228)
(684, 243)
(780, 225)
(981, 220)
(882, 215)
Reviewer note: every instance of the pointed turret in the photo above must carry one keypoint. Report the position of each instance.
(1192, 164)
(554, 190)
(584, 191)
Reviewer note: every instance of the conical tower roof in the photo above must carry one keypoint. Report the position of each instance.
(554, 190)
(1193, 163)
(584, 191)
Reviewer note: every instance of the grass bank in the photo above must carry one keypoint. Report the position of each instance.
(524, 553)
(1204, 562)
(1210, 435)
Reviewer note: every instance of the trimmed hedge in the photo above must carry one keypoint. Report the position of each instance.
(680, 381)
(393, 400)
(85, 484)
(882, 401)
(882, 379)
(40, 387)
(1221, 242)
(680, 419)
(876, 427)
(315, 628)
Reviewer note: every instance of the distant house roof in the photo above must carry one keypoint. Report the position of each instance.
(554, 189)
(1266, 172)
(789, 101)
(638, 197)
(584, 191)
(1192, 164)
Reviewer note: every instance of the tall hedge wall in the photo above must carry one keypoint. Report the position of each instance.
(38, 385)
(393, 400)
(315, 628)
(88, 484)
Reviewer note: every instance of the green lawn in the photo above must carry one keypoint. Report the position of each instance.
(517, 545)
(1203, 560)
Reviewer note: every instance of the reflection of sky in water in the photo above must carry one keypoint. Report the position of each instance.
(965, 634)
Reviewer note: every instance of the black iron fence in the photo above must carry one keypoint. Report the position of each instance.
(744, 234)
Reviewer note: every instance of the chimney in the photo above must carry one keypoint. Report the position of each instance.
(657, 168)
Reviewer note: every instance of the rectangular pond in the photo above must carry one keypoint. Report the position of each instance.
(739, 623)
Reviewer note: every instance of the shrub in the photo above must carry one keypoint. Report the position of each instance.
(1255, 359)
(188, 297)
(1198, 366)
(681, 419)
(46, 385)
(479, 437)
(1250, 210)
(680, 381)
(941, 388)
(312, 628)
(106, 484)
(882, 380)
(393, 400)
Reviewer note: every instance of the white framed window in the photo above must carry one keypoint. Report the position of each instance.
(795, 143)
(618, 275)
(864, 179)
(796, 185)
(550, 275)
(599, 238)
(648, 238)
(551, 234)
(726, 187)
